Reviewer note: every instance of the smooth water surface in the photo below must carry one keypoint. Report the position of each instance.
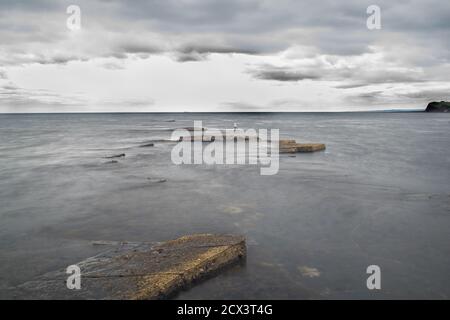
(379, 195)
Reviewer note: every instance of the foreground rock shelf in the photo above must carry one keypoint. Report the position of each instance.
(142, 270)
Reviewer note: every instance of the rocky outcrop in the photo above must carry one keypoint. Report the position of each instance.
(438, 107)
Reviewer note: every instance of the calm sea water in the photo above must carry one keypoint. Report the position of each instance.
(379, 195)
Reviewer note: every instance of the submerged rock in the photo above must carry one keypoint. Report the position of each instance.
(151, 144)
(221, 137)
(192, 129)
(202, 138)
(107, 243)
(116, 156)
(309, 272)
(157, 180)
(438, 107)
(141, 270)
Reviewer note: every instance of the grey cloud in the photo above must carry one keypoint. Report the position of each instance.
(58, 59)
(9, 87)
(193, 52)
(16, 99)
(202, 49)
(374, 98)
(40, 5)
(382, 77)
(428, 94)
(252, 27)
(127, 102)
(113, 66)
(395, 97)
(268, 72)
(281, 105)
(3, 75)
(349, 76)
(189, 57)
(413, 42)
(137, 48)
(239, 106)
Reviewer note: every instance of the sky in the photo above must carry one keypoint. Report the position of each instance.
(222, 56)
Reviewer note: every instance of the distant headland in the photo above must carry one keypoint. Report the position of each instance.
(442, 106)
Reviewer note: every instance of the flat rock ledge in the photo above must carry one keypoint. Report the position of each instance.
(291, 146)
(136, 271)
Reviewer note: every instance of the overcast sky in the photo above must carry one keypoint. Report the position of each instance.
(230, 55)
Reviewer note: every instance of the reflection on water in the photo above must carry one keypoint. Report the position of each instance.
(379, 194)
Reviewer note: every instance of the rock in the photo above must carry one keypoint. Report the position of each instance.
(141, 270)
(309, 272)
(287, 143)
(198, 138)
(158, 141)
(147, 145)
(222, 137)
(107, 243)
(116, 156)
(191, 129)
(438, 107)
(291, 146)
(310, 147)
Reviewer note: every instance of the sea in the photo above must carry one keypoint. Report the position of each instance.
(379, 195)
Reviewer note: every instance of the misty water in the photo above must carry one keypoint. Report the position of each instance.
(379, 195)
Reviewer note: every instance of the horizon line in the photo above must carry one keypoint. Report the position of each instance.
(218, 112)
